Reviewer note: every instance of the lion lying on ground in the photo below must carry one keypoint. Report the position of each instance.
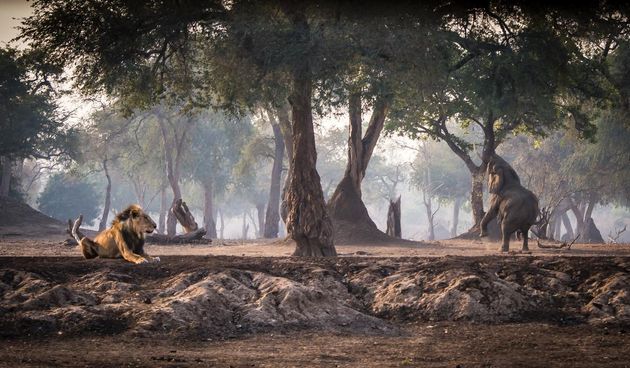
(125, 238)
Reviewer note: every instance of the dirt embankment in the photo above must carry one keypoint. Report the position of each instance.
(19, 219)
(223, 297)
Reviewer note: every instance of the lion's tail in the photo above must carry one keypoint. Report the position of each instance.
(76, 231)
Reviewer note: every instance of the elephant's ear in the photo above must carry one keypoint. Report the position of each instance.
(495, 180)
(514, 176)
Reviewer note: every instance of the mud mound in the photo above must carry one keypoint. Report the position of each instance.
(228, 296)
(17, 218)
(349, 233)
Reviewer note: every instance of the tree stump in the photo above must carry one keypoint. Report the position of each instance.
(393, 219)
(183, 215)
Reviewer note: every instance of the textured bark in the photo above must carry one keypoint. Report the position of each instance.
(286, 128)
(476, 196)
(272, 216)
(308, 223)
(5, 182)
(393, 219)
(108, 198)
(208, 210)
(351, 220)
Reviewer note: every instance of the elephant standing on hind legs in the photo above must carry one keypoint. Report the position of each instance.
(515, 206)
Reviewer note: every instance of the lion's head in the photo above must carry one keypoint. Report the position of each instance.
(136, 220)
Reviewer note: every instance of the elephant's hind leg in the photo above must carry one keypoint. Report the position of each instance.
(525, 239)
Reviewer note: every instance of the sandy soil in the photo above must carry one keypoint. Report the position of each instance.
(28, 245)
(358, 310)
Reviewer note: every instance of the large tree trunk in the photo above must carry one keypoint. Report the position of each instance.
(272, 218)
(308, 223)
(351, 220)
(5, 182)
(286, 128)
(455, 221)
(208, 211)
(476, 196)
(108, 198)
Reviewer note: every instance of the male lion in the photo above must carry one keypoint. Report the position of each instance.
(125, 238)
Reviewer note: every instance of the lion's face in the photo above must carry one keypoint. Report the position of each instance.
(142, 222)
(137, 220)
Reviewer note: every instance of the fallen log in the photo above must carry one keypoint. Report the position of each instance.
(195, 237)
(556, 246)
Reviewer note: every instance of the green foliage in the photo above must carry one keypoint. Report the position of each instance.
(563, 166)
(65, 197)
(438, 171)
(602, 167)
(30, 120)
(217, 145)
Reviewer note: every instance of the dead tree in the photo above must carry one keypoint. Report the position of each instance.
(614, 238)
(393, 219)
(183, 215)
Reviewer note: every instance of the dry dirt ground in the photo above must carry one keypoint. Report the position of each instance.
(438, 304)
(249, 304)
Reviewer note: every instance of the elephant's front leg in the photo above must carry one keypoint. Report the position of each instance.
(492, 213)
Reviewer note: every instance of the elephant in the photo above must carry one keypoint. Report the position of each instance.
(515, 206)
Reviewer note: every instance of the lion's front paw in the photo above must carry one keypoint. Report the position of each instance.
(141, 261)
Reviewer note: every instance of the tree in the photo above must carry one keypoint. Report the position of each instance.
(146, 55)
(502, 73)
(30, 121)
(217, 142)
(65, 197)
(174, 128)
(439, 175)
(272, 215)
